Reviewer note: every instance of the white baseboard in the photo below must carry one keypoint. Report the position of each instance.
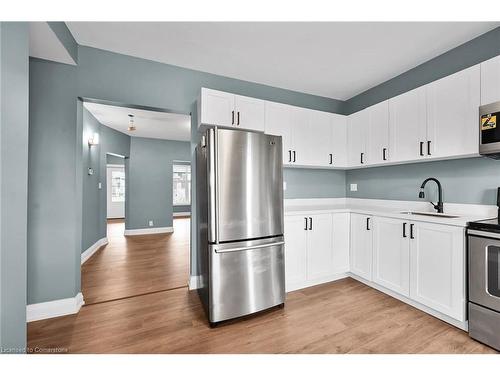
(92, 249)
(176, 214)
(52, 309)
(306, 284)
(194, 282)
(138, 232)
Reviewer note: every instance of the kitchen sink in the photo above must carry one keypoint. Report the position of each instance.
(435, 214)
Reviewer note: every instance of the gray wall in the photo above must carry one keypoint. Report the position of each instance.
(183, 208)
(314, 183)
(14, 47)
(150, 193)
(112, 159)
(94, 199)
(472, 180)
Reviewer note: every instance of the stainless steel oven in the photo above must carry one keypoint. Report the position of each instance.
(484, 286)
(489, 130)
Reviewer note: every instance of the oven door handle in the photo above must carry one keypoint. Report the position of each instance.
(479, 233)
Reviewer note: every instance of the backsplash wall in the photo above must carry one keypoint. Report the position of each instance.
(473, 180)
(314, 183)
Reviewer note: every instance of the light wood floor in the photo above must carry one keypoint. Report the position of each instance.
(134, 265)
(340, 317)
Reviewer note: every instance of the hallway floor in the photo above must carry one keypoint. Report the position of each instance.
(339, 317)
(136, 265)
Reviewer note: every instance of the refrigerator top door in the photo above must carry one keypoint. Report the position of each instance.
(249, 191)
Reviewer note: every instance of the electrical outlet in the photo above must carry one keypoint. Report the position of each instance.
(151, 223)
(354, 187)
(99, 186)
(284, 185)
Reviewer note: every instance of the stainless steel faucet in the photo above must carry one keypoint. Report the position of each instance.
(439, 206)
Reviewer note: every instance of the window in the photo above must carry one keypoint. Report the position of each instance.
(182, 184)
(117, 186)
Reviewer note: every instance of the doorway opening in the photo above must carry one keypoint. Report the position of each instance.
(145, 202)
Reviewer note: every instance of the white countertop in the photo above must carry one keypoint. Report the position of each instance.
(387, 208)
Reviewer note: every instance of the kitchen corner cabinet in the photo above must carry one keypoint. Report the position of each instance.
(378, 133)
(490, 81)
(391, 252)
(453, 113)
(223, 109)
(361, 245)
(316, 248)
(437, 268)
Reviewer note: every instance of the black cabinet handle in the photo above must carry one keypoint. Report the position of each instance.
(367, 223)
(232, 117)
(289, 156)
(411, 232)
(362, 154)
(238, 122)
(404, 230)
(428, 147)
(294, 155)
(310, 223)
(384, 153)
(331, 158)
(421, 148)
(305, 228)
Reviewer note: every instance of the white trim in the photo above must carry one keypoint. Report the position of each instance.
(141, 231)
(194, 282)
(92, 249)
(408, 301)
(52, 309)
(122, 166)
(176, 214)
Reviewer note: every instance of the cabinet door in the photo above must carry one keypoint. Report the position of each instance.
(278, 122)
(378, 134)
(452, 114)
(490, 81)
(250, 113)
(318, 138)
(295, 252)
(391, 263)
(300, 136)
(437, 258)
(361, 246)
(340, 242)
(319, 247)
(357, 126)
(217, 108)
(407, 125)
(339, 140)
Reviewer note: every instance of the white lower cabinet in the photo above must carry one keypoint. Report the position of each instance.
(316, 248)
(361, 246)
(437, 268)
(391, 252)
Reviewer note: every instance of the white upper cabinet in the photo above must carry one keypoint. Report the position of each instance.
(490, 81)
(357, 129)
(453, 114)
(338, 148)
(301, 139)
(437, 268)
(228, 110)
(391, 252)
(278, 118)
(378, 133)
(408, 125)
(318, 138)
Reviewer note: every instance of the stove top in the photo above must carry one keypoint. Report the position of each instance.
(489, 225)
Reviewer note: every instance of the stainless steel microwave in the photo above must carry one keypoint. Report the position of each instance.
(489, 130)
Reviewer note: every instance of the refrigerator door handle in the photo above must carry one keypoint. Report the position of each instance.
(232, 250)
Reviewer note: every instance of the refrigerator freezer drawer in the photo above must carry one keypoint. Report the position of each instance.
(484, 325)
(245, 277)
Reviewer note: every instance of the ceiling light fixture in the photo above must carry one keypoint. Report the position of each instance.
(131, 125)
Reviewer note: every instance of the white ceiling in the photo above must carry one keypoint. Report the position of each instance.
(149, 124)
(332, 59)
(44, 44)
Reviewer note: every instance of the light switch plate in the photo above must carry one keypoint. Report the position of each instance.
(284, 185)
(150, 223)
(99, 186)
(354, 187)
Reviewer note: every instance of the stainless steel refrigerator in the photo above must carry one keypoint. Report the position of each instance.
(240, 223)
